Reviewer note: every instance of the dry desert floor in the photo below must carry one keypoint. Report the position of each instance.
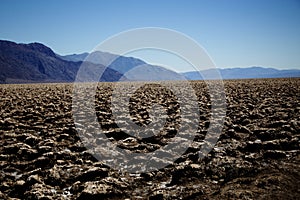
(257, 155)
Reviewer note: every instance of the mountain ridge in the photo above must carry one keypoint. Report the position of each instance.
(134, 69)
(244, 73)
(35, 62)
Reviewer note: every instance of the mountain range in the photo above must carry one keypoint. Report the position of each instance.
(35, 62)
(244, 73)
(132, 69)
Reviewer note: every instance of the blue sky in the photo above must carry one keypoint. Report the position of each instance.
(235, 33)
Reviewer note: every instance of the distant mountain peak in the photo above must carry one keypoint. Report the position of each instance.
(36, 47)
(40, 48)
(105, 58)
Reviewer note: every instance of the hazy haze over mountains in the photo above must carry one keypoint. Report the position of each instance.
(244, 73)
(133, 68)
(229, 73)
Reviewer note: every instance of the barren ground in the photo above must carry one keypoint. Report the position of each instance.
(256, 157)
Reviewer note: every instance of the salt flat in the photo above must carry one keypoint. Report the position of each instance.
(43, 156)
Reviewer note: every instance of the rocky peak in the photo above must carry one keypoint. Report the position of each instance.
(40, 48)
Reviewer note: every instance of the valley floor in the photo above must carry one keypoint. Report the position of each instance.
(257, 155)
